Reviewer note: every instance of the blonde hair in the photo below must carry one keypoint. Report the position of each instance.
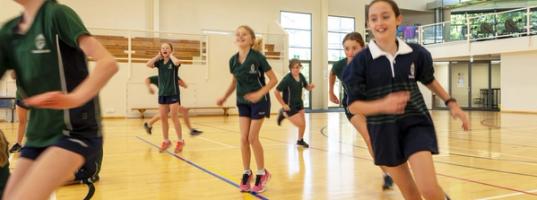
(4, 156)
(258, 45)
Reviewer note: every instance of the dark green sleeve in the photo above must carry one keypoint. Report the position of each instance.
(153, 80)
(282, 85)
(263, 64)
(69, 25)
(303, 81)
(231, 62)
(354, 78)
(4, 57)
(425, 69)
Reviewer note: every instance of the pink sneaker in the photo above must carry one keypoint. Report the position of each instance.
(164, 145)
(179, 146)
(245, 182)
(261, 182)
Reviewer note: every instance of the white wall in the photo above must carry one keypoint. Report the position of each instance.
(518, 82)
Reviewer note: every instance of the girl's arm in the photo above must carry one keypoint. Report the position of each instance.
(257, 95)
(105, 68)
(229, 91)
(151, 63)
(331, 83)
(454, 108)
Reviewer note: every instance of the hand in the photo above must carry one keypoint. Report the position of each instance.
(286, 107)
(457, 113)
(220, 101)
(334, 99)
(395, 103)
(54, 100)
(310, 87)
(254, 97)
(151, 91)
(183, 84)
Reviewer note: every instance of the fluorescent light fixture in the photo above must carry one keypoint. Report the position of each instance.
(216, 32)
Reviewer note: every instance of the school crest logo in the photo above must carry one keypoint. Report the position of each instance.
(412, 74)
(40, 44)
(169, 66)
(252, 69)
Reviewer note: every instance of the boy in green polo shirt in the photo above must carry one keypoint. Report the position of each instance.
(47, 47)
(292, 105)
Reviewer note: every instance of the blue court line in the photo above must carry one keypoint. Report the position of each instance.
(203, 169)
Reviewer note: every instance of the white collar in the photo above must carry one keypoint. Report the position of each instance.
(376, 52)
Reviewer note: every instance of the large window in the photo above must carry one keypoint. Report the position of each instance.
(298, 26)
(338, 27)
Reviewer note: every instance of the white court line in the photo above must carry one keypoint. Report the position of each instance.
(216, 142)
(507, 195)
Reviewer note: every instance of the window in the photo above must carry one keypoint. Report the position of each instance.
(338, 27)
(298, 26)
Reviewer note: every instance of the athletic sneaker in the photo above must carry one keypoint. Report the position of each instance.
(195, 132)
(302, 143)
(179, 146)
(281, 117)
(15, 148)
(245, 182)
(147, 128)
(261, 182)
(388, 182)
(165, 145)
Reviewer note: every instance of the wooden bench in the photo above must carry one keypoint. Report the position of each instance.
(224, 108)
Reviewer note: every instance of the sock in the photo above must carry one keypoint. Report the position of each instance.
(247, 171)
(260, 172)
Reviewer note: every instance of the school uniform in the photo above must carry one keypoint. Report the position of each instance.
(250, 76)
(168, 88)
(338, 69)
(372, 75)
(48, 58)
(292, 92)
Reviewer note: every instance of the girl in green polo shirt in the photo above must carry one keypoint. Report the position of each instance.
(248, 68)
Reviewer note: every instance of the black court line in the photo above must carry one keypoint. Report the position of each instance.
(369, 159)
(203, 169)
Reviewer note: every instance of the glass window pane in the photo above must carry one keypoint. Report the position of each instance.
(334, 24)
(335, 55)
(299, 38)
(300, 53)
(347, 24)
(296, 20)
(335, 39)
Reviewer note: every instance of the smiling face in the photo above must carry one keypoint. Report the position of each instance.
(244, 37)
(165, 50)
(383, 21)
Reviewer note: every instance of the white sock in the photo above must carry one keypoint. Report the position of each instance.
(247, 171)
(260, 172)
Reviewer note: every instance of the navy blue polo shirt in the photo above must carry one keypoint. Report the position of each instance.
(373, 74)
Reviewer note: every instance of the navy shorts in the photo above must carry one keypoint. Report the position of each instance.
(257, 110)
(393, 143)
(89, 148)
(169, 99)
(294, 110)
(21, 104)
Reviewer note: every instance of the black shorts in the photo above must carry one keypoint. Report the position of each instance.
(257, 110)
(169, 99)
(394, 143)
(88, 148)
(21, 104)
(294, 110)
